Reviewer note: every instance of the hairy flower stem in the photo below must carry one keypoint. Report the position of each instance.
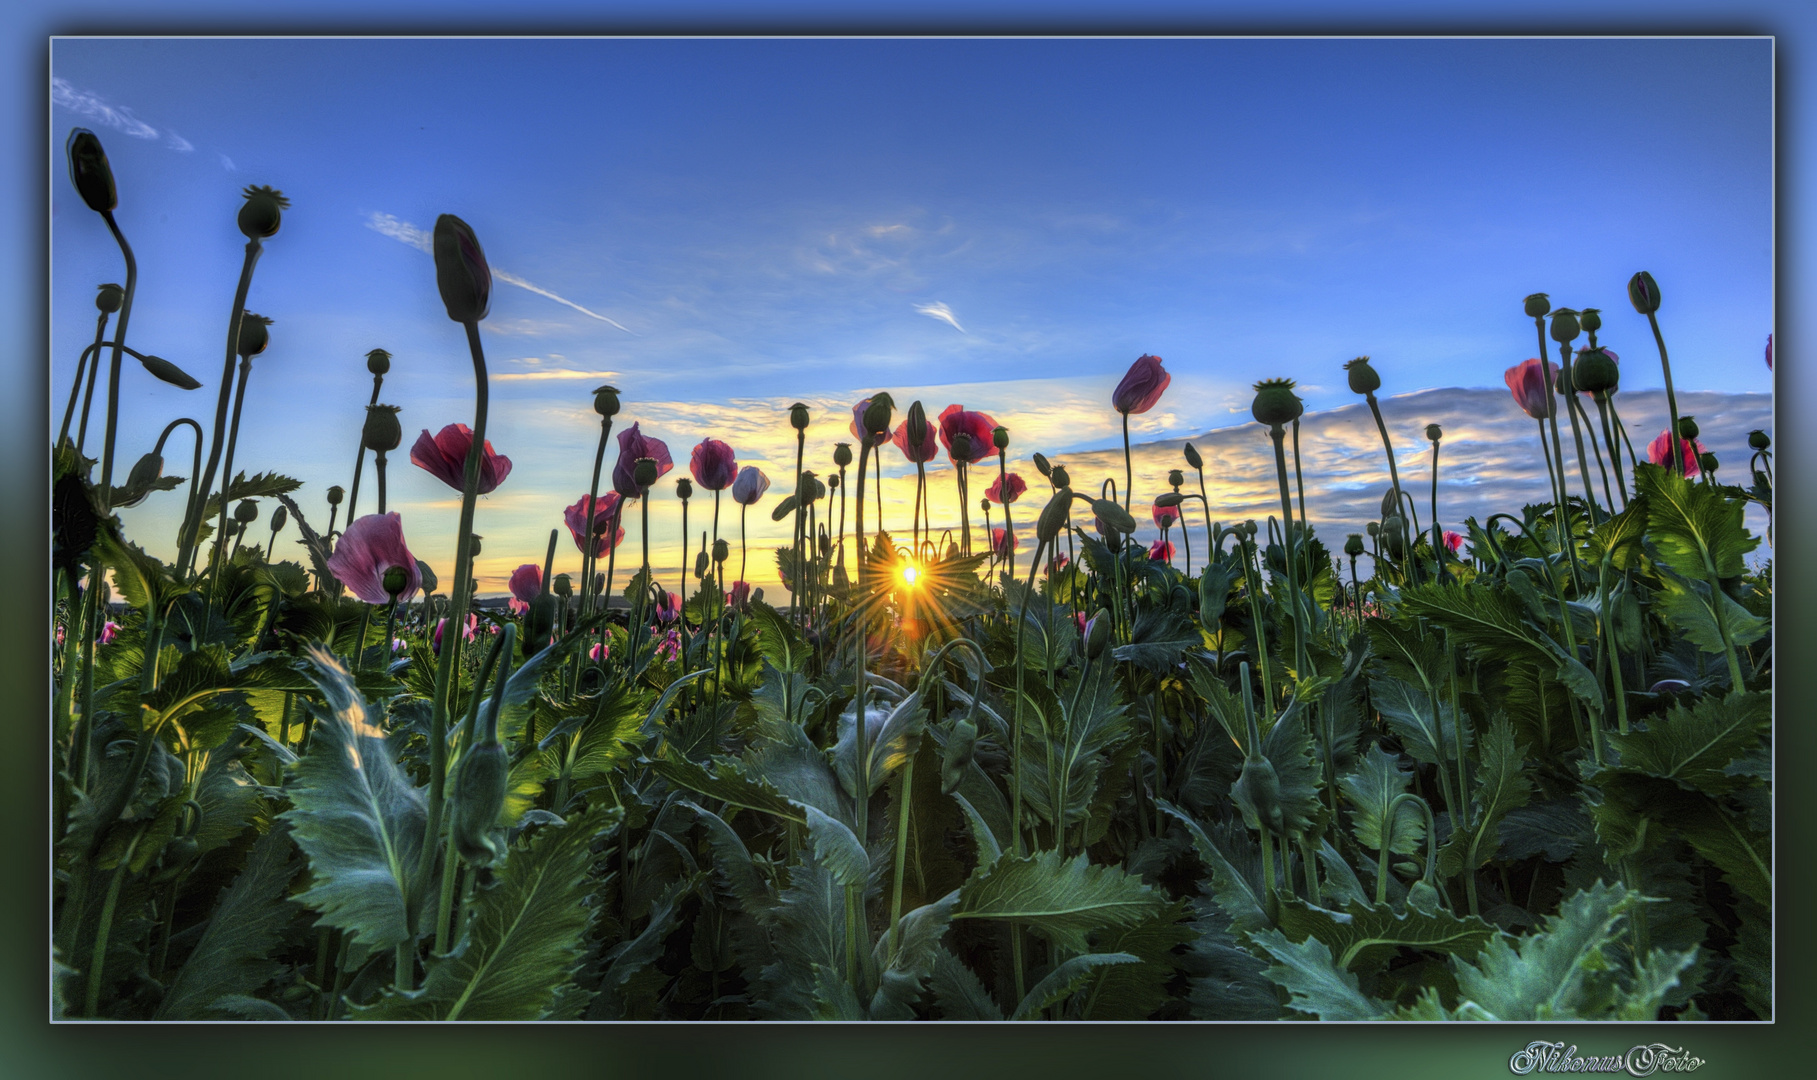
(1256, 604)
(1299, 481)
(1622, 430)
(965, 509)
(1128, 470)
(359, 461)
(75, 390)
(589, 557)
(1676, 454)
(206, 486)
(1609, 440)
(462, 738)
(864, 455)
(113, 370)
(1560, 512)
(233, 435)
(1300, 627)
(1577, 432)
(1577, 407)
(97, 965)
(1551, 471)
(798, 587)
(1009, 529)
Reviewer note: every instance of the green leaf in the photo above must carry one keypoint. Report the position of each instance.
(1555, 973)
(1137, 991)
(725, 779)
(1618, 537)
(776, 639)
(733, 862)
(631, 958)
(808, 931)
(1553, 830)
(356, 815)
(523, 942)
(1065, 980)
(1637, 808)
(902, 973)
(1315, 983)
(234, 954)
(1371, 790)
(1236, 885)
(1695, 529)
(1490, 625)
(1157, 639)
(142, 580)
(256, 486)
(1063, 899)
(837, 849)
(1368, 935)
(1695, 746)
(1502, 785)
(892, 738)
(958, 995)
(1686, 604)
(1412, 714)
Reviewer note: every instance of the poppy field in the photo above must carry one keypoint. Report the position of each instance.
(1514, 769)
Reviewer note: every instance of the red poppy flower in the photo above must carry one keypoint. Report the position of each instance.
(603, 510)
(1530, 385)
(1161, 551)
(632, 445)
(370, 548)
(445, 456)
(1015, 484)
(526, 582)
(1659, 452)
(1141, 387)
(713, 464)
(954, 419)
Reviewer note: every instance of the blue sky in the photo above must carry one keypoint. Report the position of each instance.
(727, 226)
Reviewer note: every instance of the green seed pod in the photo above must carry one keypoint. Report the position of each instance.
(1590, 319)
(1434, 433)
(253, 335)
(1363, 378)
(1643, 293)
(721, 551)
(1374, 529)
(832, 482)
(1060, 477)
(479, 795)
(644, 473)
(1353, 544)
(1041, 465)
(336, 494)
(1707, 462)
(1275, 402)
(382, 432)
(1537, 305)
(1054, 515)
(605, 400)
(246, 511)
(684, 489)
(427, 575)
(1000, 437)
(1193, 458)
(1113, 516)
(1596, 372)
(798, 416)
(279, 518)
(262, 212)
(109, 298)
(89, 171)
(378, 362)
(1687, 427)
(984, 505)
(877, 417)
(473, 546)
(564, 586)
(1097, 635)
(842, 454)
(395, 581)
(1564, 326)
(962, 445)
(1758, 439)
(1175, 478)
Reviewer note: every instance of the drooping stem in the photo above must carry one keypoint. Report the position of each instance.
(75, 390)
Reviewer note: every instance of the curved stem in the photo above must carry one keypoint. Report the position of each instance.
(1665, 365)
(206, 487)
(113, 370)
(75, 390)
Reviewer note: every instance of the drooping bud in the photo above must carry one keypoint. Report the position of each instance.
(1363, 378)
(1564, 326)
(139, 480)
(1276, 403)
(279, 518)
(539, 622)
(1041, 465)
(378, 362)
(1097, 634)
(701, 564)
(1687, 427)
(842, 454)
(1537, 305)
(1193, 458)
(1257, 793)
(246, 511)
(1000, 437)
(382, 431)
(461, 273)
(1353, 544)
(1434, 433)
(479, 795)
(644, 473)
(798, 416)
(1171, 498)
(262, 212)
(684, 489)
(1643, 293)
(1758, 440)
(253, 335)
(165, 371)
(1390, 506)
(605, 400)
(1054, 515)
(426, 576)
(109, 298)
(1113, 516)
(89, 171)
(336, 494)
(396, 580)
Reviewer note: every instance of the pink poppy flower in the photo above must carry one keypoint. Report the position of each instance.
(397, 645)
(739, 594)
(371, 547)
(713, 465)
(1531, 385)
(634, 444)
(444, 455)
(750, 485)
(466, 635)
(1454, 541)
(59, 635)
(109, 630)
(929, 447)
(598, 652)
(1004, 544)
(670, 646)
(954, 419)
(1161, 551)
(668, 608)
(1659, 452)
(1141, 387)
(1060, 563)
(526, 582)
(1015, 484)
(603, 509)
(1165, 516)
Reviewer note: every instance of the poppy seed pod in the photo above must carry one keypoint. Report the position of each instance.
(378, 362)
(1564, 326)
(254, 336)
(382, 431)
(1113, 515)
(1758, 440)
(426, 576)
(1590, 319)
(1097, 634)
(109, 297)
(165, 371)
(479, 795)
(564, 586)
(721, 551)
(461, 273)
(1041, 465)
(279, 518)
(1707, 462)
(1643, 293)
(1193, 458)
(1537, 305)
(842, 454)
(1275, 403)
(1374, 528)
(984, 505)
(395, 581)
(877, 415)
(246, 511)
(1000, 437)
(262, 212)
(1595, 371)
(1059, 477)
(1363, 378)
(1434, 433)
(605, 400)
(684, 488)
(336, 494)
(1175, 478)
(962, 445)
(1687, 427)
(644, 473)
(832, 482)
(89, 171)
(798, 416)
(1054, 515)
(1353, 544)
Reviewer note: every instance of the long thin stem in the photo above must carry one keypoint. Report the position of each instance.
(1287, 552)
(233, 432)
(206, 487)
(378, 469)
(1665, 365)
(113, 370)
(904, 797)
(75, 390)
(359, 462)
(1577, 432)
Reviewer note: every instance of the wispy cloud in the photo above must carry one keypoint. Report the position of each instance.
(938, 310)
(97, 109)
(227, 162)
(556, 373)
(398, 229)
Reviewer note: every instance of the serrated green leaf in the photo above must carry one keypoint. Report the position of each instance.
(958, 995)
(1314, 981)
(837, 849)
(1065, 980)
(1693, 526)
(725, 779)
(902, 973)
(234, 954)
(1553, 973)
(1552, 830)
(1368, 935)
(1064, 899)
(1421, 724)
(1686, 604)
(1371, 789)
(1136, 991)
(1694, 746)
(1502, 785)
(1236, 884)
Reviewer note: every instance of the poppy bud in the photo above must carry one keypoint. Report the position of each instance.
(1000, 437)
(1353, 544)
(426, 576)
(479, 795)
(826, 546)
(1097, 635)
(1193, 458)
(1041, 465)
(1059, 477)
(246, 511)
(336, 494)
(842, 454)
(396, 580)
(1275, 402)
(798, 416)
(382, 431)
(539, 622)
(956, 755)
(89, 171)
(1537, 305)
(253, 335)
(1595, 371)
(1113, 516)
(784, 508)
(1590, 319)
(1434, 433)
(1687, 427)
(1374, 529)
(684, 488)
(877, 415)
(816, 490)
(262, 212)
(1394, 535)
(599, 583)
(461, 273)
(165, 371)
(473, 545)
(1389, 506)
(1758, 440)
(917, 424)
(1643, 293)
(1054, 515)
(1564, 326)
(564, 586)
(1707, 462)
(144, 471)
(378, 361)
(1171, 498)
(605, 400)
(644, 473)
(721, 551)
(109, 298)
(700, 565)
(279, 518)
(1363, 378)
(1257, 793)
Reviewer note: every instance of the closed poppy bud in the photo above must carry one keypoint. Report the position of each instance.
(461, 273)
(721, 551)
(395, 581)
(684, 488)
(246, 511)
(1687, 427)
(1643, 293)
(165, 371)
(564, 586)
(144, 471)
(605, 400)
(473, 544)
(539, 622)
(253, 335)
(1172, 498)
(700, 565)
(1353, 544)
(1758, 440)
(1054, 515)
(826, 544)
(1097, 634)
(1000, 437)
(109, 298)
(1141, 387)
(784, 508)
(877, 414)
(1059, 477)
(644, 473)
(1434, 433)
(1537, 305)
(1275, 402)
(1113, 515)
(262, 212)
(336, 494)
(1595, 371)
(378, 362)
(279, 518)
(1041, 465)
(479, 795)
(1363, 378)
(426, 575)
(1193, 458)
(798, 416)
(842, 454)
(382, 431)
(1374, 528)
(89, 171)
(1390, 506)
(1564, 326)
(1257, 793)
(917, 424)
(956, 756)
(1590, 319)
